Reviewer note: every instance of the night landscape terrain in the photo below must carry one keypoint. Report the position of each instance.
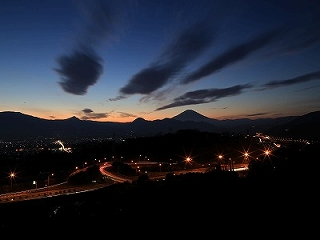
(159, 119)
(277, 188)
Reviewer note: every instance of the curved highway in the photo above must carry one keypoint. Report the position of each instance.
(66, 189)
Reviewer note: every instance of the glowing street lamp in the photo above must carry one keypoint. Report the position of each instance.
(246, 157)
(188, 160)
(220, 157)
(266, 153)
(12, 175)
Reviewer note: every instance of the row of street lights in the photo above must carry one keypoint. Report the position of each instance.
(12, 175)
(246, 156)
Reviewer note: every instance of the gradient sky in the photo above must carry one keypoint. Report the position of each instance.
(119, 60)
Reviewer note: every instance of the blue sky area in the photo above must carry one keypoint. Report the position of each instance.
(119, 60)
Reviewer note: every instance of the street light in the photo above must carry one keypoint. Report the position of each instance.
(220, 161)
(231, 164)
(49, 178)
(12, 175)
(187, 161)
(266, 153)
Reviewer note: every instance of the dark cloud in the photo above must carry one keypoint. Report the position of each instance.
(117, 98)
(205, 96)
(304, 89)
(89, 114)
(79, 71)
(300, 79)
(95, 116)
(157, 96)
(126, 115)
(257, 114)
(232, 56)
(83, 67)
(87, 110)
(183, 50)
(148, 80)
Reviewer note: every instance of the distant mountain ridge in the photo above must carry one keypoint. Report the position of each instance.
(16, 125)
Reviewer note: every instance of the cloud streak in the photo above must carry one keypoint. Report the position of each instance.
(189, 45)
(258, 114)
(300, 79)
(231, 56)
(205, 96)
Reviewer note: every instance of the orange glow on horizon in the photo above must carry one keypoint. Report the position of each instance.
(113, 117)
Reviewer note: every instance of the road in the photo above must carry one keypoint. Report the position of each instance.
(66, 189)
(50, 191)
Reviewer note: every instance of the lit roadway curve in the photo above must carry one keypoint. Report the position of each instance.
(114, 177)
(65, 189)
(152, 175)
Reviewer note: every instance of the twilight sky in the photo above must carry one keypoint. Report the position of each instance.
(123, 59)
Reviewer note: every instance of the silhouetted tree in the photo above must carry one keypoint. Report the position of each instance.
(143, 178)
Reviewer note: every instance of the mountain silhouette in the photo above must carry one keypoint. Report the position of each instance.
(190, 115)
(305, 126)
(19, 126)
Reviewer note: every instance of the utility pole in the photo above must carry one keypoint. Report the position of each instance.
(231, 164)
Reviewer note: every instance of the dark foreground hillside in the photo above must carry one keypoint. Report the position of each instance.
(211, 202)
(277, 198)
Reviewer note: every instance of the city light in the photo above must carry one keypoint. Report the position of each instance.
(63, 148)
